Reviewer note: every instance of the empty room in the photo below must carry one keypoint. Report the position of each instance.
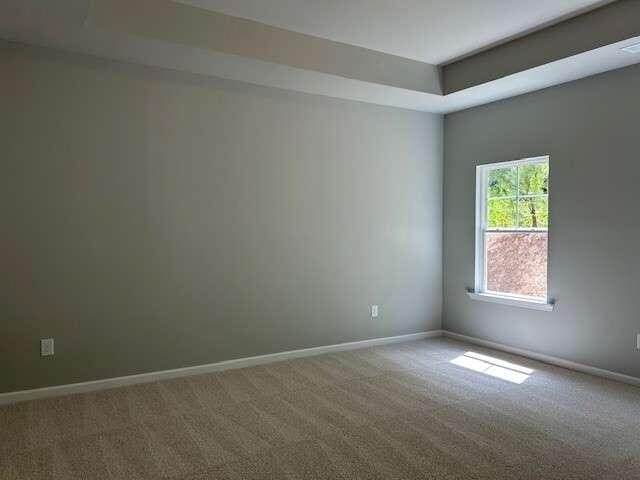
(319, 239)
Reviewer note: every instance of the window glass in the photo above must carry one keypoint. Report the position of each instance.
(501, 212)
(517, 263)
(533, 212)
(533, 179)
(502, 182)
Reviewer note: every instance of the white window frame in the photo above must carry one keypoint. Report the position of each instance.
(480, 292)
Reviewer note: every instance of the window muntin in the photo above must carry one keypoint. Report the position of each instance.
(512, 228)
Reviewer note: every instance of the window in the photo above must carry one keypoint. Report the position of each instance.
(512, 222)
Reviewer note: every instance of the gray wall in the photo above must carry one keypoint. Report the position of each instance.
(590, 130)
(154, 220)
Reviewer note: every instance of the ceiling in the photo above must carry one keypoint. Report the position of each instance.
(182, 36)
(432, 31)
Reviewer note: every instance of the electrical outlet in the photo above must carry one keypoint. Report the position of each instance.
(374, 311)
(46, 347)
(638, 342)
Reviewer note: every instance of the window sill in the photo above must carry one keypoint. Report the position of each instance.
(512, 301)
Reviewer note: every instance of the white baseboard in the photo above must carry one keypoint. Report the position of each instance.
(25, 395)
(560, 362)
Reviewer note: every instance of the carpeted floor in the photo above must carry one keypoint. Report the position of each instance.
(433, 409)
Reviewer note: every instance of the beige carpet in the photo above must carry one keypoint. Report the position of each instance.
(434, 409)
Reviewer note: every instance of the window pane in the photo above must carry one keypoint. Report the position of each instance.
(534, 179)
(516, 263)
(502, 182)
(534, 212)
(501, 213)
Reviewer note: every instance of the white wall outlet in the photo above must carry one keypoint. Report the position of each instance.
(46, 347)
(374, 311)
(638, 342)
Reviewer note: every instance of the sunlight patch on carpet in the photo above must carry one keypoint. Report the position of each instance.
(493, 367)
